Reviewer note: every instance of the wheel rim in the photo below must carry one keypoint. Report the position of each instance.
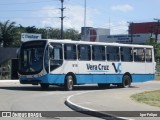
(70, 84)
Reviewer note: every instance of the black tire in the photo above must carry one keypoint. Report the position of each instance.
(103, 86)
(69, 83)
(126, 82)
(44, 86)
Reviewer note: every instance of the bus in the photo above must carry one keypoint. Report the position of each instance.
(68, 63)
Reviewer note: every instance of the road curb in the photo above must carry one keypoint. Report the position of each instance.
(89, 111)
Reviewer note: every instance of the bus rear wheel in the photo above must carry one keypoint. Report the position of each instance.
(69, 83)
(126, 82)
(44, 86)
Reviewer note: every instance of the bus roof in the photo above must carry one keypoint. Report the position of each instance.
(94, 43)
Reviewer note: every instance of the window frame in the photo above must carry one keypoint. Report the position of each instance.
(151, 59)
(103, 55)
(74, 52)
(139, 58)
(118, 53)
(88, 54)
(131, 55)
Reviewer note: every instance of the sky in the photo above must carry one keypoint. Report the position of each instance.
(113, 14)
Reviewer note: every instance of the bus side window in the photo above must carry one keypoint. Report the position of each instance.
(98, 53)
(84, 52)
(70, 52)
(139, 55)
(112, 53)
(148, 55)
(126, 54)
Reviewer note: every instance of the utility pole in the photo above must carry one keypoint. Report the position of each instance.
(62, 17)
(84, 13)
(157, 29)
(84, 20)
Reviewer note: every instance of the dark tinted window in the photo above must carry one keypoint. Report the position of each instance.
(148, 55)
(84, 52)
(112, 53)
(126, 54)
(139, 54)
(70, 52)
(98, 53)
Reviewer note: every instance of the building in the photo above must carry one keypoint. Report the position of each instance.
(139, 33)
(92, 34)
(152, 28)
(125, 38)
(144, 28)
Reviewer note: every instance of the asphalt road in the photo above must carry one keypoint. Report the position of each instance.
(118, 99)
(17, 97)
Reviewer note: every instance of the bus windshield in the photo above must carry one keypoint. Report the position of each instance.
(31, 57)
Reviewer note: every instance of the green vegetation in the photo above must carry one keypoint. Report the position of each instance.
(152, 41)
(151, 98)
(10, 34)
(156, 46)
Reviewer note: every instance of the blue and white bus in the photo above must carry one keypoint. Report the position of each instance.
(65, 62)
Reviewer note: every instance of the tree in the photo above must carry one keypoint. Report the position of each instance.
(156, 46)
(10, 35)
(7, 33)
(55, 33)
(72, 34)
(68, 34)
(31, 29)
(43, 32)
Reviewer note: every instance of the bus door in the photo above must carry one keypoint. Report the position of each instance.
(149, 68)
(56, 58)
(139, 66)
(53, 58)
(70, 64)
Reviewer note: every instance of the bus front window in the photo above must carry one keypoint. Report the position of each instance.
(31, 57)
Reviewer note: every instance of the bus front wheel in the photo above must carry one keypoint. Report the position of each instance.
(126, 82)
(69, 83)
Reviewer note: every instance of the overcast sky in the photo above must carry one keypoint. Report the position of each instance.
(113, 14)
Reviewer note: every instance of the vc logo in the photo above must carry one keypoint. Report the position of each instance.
(117, 68)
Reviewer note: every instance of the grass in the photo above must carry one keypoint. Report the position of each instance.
(158, 78)
(151, 98)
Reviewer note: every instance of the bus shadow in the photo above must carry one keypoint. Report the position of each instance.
(85, 88)
(59, 88)
(133, 87)
(30, 88)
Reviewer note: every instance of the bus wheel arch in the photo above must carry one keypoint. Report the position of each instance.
(126, 80)
(70, 81)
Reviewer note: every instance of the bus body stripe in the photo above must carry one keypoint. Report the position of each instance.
(93, 79)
